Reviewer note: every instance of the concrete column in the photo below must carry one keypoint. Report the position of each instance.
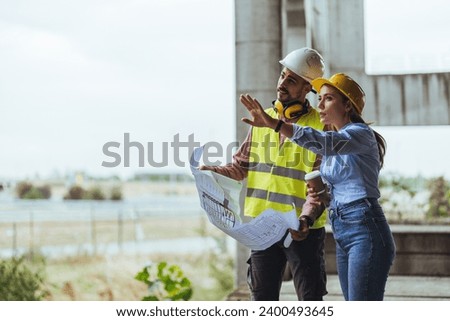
(293, 22)
(316, 16)
(258, 50)
(346, 36)
(336, 30)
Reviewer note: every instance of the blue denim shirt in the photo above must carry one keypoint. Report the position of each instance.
(350, 162)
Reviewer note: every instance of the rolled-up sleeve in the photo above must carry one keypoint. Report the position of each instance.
(352, 139)
(238, 168)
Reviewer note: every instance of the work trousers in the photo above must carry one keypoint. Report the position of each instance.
(306, 261)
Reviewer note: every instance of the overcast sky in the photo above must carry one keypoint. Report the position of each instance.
(75, 75)
(407, 35)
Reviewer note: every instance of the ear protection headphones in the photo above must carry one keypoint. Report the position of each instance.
(292, 109)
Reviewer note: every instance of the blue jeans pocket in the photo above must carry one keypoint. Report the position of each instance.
(354, 215)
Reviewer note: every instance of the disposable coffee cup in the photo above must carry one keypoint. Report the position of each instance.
(314, 180)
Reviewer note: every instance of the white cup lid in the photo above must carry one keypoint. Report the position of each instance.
(312, 175)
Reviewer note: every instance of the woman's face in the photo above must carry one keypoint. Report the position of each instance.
(333, 107)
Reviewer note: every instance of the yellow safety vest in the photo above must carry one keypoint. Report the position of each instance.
(276, 173)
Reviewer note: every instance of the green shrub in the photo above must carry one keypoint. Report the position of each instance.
(165, 283)
(94, 193)
(25, 190)
(439, 200)
(403, 198)
(33, 194)
(45, 191)
(19, 283)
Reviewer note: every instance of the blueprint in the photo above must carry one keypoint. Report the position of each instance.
(219, 197)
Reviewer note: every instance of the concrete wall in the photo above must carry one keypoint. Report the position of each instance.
(420, 99)
(421, 251)
(336, 29)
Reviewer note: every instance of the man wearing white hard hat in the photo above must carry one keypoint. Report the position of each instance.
(275, 180)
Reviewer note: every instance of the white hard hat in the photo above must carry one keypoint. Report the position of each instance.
(305, 62)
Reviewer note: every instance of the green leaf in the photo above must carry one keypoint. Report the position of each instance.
(168, 283)
(143, 276)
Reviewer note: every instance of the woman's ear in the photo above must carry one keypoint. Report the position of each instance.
(348, 106)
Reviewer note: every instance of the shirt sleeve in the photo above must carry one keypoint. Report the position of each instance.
(352, 139)
(238, 168)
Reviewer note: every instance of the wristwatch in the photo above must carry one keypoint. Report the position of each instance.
(278, 127)
(308, 220)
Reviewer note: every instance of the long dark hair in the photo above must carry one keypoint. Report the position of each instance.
(381, 142)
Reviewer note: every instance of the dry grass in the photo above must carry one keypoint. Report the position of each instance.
(93, 279)
(112, 278)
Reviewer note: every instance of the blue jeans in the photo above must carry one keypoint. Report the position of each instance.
(365, 249)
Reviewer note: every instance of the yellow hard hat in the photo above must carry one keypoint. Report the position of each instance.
(347, 86)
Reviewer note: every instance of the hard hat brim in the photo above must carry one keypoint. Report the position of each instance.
(319, 82)
(291, 68)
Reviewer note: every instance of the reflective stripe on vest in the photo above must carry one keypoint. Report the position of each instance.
(276, 197)
(280, 171)
(276, 173)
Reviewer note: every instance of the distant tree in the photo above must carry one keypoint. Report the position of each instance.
(75, 193)
(22, 188)
(45, 191)
(95, 193)
(116, 193)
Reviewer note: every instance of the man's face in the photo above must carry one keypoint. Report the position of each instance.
(291, 87)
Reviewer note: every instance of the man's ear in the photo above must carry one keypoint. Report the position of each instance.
(308, 88)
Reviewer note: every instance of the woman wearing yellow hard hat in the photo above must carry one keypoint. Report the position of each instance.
(352, 158)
